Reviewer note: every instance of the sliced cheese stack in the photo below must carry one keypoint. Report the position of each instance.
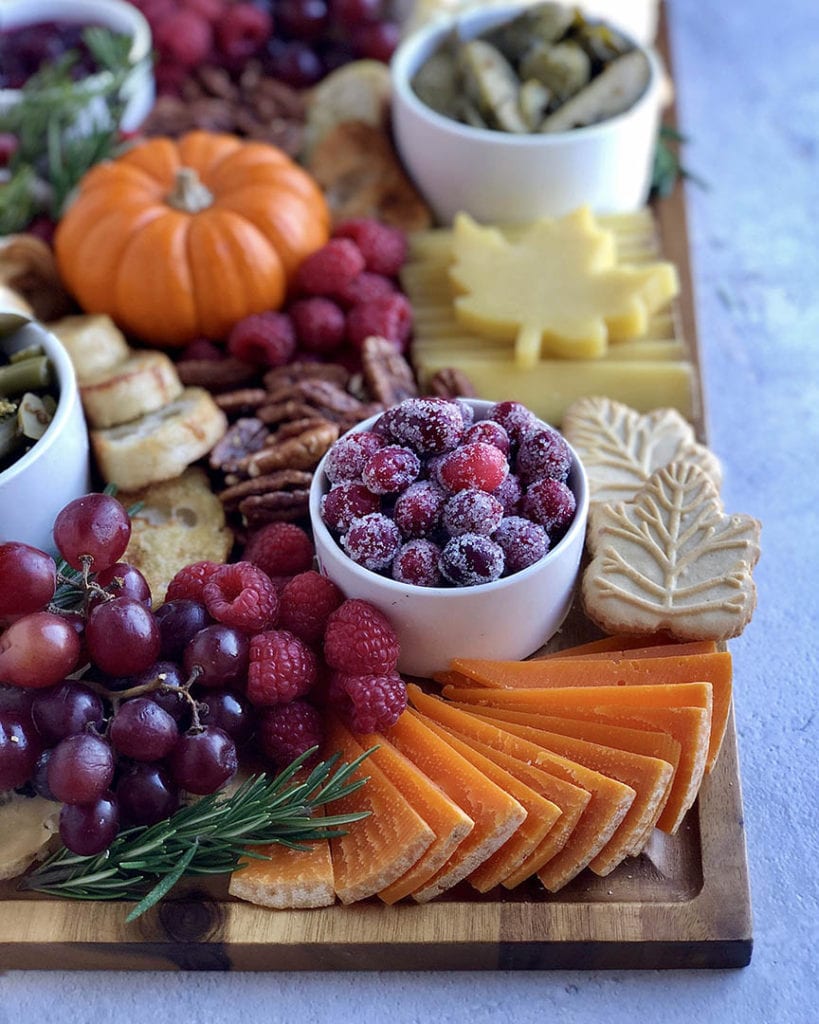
(144, 426)
(646, 372)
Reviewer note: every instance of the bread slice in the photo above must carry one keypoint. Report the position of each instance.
(161, 444)
(94, 343)
(143, 383)
(179, 521)
(27, 826)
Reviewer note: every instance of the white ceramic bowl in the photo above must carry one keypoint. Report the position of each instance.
(499, 177)
(510, 618)
(57, 468)
(117, 15)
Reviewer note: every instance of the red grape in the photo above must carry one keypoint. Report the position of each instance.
(143, 730)
(228, 711)
(376, 42)
(123, 580)
(303, 19)
(38, 651)
(65, 710)
(202, 762)
(20, 746)
(92, 827)
(29, 579)
(146, 795)
(96, 526)
(178, 622)
(80, 769)
(39, 777)
(295, 63)
(122, 637)
(221, 653)
(347, 13)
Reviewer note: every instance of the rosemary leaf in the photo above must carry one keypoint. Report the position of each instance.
(162, 888)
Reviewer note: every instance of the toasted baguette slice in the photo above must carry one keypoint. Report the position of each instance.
(27, 826)
(179, 521)
(160, 445)
(142, 384)
(94, 343)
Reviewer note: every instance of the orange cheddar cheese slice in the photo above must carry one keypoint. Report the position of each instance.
(541, 815)
(446, 819)
(609, 799)
(287, 879)
(605, 645)
(379, 849)
(570, 799)
(496, 814)
(647, 776)
(669, 650)
(715, 669)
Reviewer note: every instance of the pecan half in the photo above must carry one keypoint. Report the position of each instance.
(387, 374)
(283, 480)
(217, 375)
(241, 440)
(282, 412)
(300, 452)
(450, 383)
(241, 402)
(292, 373)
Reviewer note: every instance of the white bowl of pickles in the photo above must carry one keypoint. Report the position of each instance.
(513, 113)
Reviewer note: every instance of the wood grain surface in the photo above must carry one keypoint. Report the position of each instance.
(684, 903)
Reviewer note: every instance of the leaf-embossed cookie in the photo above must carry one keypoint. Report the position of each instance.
(620, 448)
(671, 559)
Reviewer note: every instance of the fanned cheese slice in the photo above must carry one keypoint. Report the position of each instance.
(288, 879)
(379, 849)
(647, 776)
(496, 814)
(541, 815)
(448, 821)
(615, 647)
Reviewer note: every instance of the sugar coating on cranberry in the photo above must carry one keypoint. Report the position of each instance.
(477, 465)
(523, 542)
(490, 432)
(391, 469)
(372, 541)
(550, 503)
(467, 412)
(471, 559)
(418, 509)
(510, 493)
(472, 511)
(345, 502)
(544, 454)
(349, 455)
(515, 419)
(417, 564)
(429, 426)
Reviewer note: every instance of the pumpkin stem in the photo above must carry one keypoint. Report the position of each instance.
(188, 193)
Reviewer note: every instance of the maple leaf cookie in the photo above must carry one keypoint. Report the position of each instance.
(670, 559)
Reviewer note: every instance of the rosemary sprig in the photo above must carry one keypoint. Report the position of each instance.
(668, 169)
(209, 837)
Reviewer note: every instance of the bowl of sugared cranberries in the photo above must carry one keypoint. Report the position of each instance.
(462, 520)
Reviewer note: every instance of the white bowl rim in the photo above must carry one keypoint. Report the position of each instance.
(66, 400)
(580, 490)
(405, 63)
(77, 11)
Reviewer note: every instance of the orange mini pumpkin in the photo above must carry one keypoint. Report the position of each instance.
(179, 239)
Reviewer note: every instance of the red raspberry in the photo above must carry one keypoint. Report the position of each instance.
(183, 38)
(418, 509)
(544, 454)
(242, 31)
(389, 318)
(509, 494)
(523, 542)
(189, 583)
(550, 503)
(282, 667)
(417, 564)
(391, 469)
(471, 559)
(286, 731)
(368, 703)
(242, 596)
(319, 324)
(345, 502)
(330, 268)
(479, 465)
(306, 603)
(372, 541)
(350, 454)
(515, 418)
(429, 426)
(210, 10)
(490, 432)
(384, 248)
(366, 287)
(263, 339)
(280, 549)
(360, 639)
(472, 511)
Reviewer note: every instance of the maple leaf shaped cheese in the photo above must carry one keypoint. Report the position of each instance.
(672, 560)
(620, 448)
(558, 290)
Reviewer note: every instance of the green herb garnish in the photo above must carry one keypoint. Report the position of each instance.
(668, 169)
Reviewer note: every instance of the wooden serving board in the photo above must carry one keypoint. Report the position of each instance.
(684, 903)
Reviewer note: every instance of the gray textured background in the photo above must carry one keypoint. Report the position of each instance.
(747, 75)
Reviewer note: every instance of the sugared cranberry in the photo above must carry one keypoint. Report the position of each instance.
(471, 559)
